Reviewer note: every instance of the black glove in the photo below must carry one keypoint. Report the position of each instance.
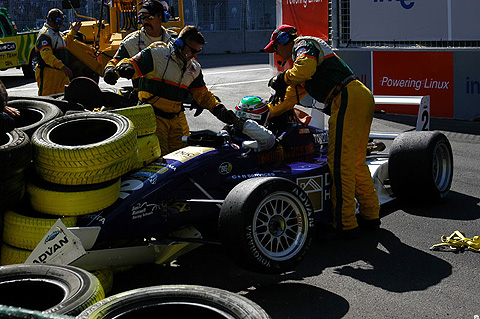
(280, 86)
(198, 109)
(109, 75)
(227, 116)
(125, 70)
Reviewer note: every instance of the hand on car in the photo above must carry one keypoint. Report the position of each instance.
(68, 73)
(11, 111)
(227, 116)
(280, 86)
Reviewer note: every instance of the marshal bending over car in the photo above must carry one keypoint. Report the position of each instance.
(262, 206)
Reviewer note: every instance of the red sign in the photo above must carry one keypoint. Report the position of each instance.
(310, 17)
(409, 73)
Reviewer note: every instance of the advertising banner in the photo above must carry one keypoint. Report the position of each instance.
(414, 20)
(310, 17)
(411, 73)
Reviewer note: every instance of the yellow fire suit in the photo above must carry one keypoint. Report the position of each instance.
(318, 71)
(52, 56)
(164, 81)
(136, 42)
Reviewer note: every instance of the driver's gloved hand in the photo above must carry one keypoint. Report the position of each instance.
(280, 86)
(109, 75)
(125, 70)
(227, 116)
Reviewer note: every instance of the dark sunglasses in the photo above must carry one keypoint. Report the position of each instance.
(142, 17)
(192, 50)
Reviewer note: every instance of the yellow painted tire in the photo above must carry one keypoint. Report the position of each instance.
(148, 150)
(11, 255)
(25, 232)
(142, 117)
(72, 200)
(105, 276)
(84, 148)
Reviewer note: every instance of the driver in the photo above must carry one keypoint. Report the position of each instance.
(254, 111)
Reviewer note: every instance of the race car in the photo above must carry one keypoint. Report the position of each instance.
(263, 207)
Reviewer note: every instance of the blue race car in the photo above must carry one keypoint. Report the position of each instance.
(263, 207)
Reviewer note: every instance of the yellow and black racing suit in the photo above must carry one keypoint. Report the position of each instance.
(136, 42)
(164, 81)
(318, 71)
(52, 56)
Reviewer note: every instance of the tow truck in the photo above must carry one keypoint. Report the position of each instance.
(99, 38)
(17, 49)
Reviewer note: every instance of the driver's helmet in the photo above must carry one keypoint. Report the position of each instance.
(253, 108)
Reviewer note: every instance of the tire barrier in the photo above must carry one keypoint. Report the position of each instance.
(142, 117)
(84, 148)
(21, 313)
(10, 255)
(12, 189)
(33, 114)
(50, 288)
(15, 157)
(15, 153)
(148, 150)
(25, 232)
(105, 276)
(72, 200)
(175, 301)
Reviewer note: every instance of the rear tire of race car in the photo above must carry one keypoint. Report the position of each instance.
(33, 114)
(266, 224)
(49, 288)
(84, 148)
(175, 301)
(420, 166)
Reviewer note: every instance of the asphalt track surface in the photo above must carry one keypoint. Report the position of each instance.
(387, 274)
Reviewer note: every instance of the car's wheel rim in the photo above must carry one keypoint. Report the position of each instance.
(280, 226)
(442, 167)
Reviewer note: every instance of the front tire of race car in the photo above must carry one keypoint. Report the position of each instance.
(266, 224)
(420, 166)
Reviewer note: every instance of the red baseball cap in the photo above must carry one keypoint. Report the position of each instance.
(270, 48)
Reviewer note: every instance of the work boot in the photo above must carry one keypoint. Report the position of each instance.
(368, 224)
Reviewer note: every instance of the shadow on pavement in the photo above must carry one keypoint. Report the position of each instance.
(456, 206)
(438, 124)
(379, 259)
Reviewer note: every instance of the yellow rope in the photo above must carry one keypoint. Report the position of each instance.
(458, 242)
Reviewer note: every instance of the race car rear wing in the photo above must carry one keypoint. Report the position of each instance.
(423, 102)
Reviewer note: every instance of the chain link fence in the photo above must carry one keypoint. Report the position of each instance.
(208, 15)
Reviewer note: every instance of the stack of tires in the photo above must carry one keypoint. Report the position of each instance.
(145, 124)
(78, 160)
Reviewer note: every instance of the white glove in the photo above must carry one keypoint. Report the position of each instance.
(264, 137)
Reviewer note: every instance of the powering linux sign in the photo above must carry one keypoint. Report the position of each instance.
(415, 73)
(58, 246)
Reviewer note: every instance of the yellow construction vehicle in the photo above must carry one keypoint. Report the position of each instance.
(99, 38)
